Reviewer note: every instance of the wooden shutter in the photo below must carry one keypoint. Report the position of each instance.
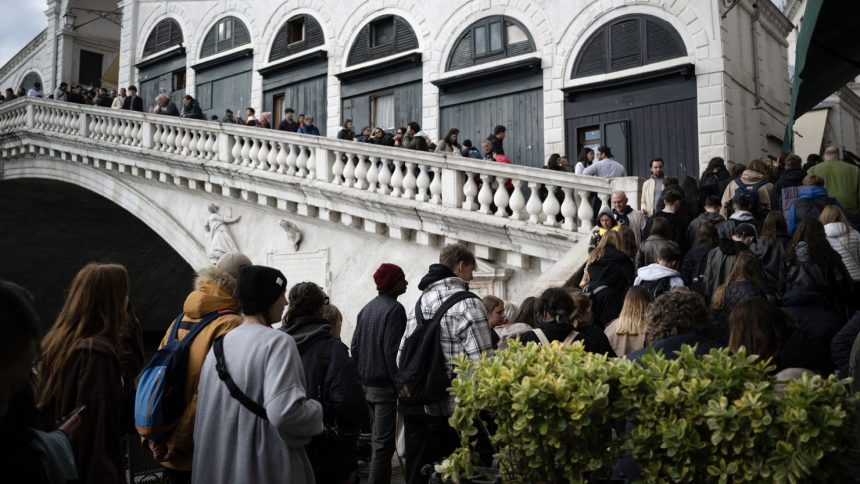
(166, 33)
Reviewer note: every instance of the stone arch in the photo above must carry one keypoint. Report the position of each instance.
(195, 42)
(286, 12)
(170, 10)
(30, 76)
(462, 18)
(133, 201)
(408, 11)
(593, 18)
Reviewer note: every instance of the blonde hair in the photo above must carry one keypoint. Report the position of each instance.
(491, 302)
(632, 318)
(332, 314)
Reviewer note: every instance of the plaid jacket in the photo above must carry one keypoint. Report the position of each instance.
(464, 330)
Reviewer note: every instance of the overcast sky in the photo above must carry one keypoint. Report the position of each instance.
(20, 21)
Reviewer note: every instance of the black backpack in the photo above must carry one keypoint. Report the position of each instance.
(748, 190)
(422, 375)
(658, 286)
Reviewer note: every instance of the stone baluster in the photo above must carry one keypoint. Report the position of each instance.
(311, 163)
(190, 141)
(551, 207)
(236, 152)
(604, 200)
(436, 187)
(470, 191)
(397, 179)
(501, 199)
(127, 139)
(292, 157)
(211, 146)
(246, 150)
(384, 177)
(348, 171)
(252, 154)
(361, 173)
(116, 130)
(156, 137)
(485, 196)
(302, 162)
(517, 201)
(263, 156)
(272, 160)
(338, 168)
(409, 181)
(94, 122)
(181, 133)
(135, 134)
(568, 209)
(170, 142)
(534, 206)
(585, 212)
(423, 184)
(282, 157)
(372, 173)
(201, 144)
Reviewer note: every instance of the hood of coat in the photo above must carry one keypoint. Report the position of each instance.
(712, 218)
(794, 176)
(742, 216)
(811, 193)
(655, 271)
(307, 330)
(207, 298)
(749, 177)
(835, 229)
(731, 247)
(436, 273)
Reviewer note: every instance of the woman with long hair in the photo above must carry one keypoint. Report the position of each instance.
(609, 273)
(817, 284)
(744, 282)
(566, 317)
(81, 364)
(696, 260)
(626, 334)
(770, 249)
(844, 240)
(584, 160)
(449, 145)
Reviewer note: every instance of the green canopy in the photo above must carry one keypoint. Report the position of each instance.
(827, 57)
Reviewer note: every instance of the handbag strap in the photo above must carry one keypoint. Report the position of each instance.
(541, 337)
(570, 337)
(545, 341)
(235, 392)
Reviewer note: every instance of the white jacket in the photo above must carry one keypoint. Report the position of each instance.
(846, 242)
(655, 271)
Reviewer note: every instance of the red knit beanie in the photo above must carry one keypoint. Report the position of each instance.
(387, 276)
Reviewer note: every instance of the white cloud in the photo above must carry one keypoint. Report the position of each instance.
(20, 21)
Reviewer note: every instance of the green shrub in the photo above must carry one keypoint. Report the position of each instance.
(553, 408)
(719, 418)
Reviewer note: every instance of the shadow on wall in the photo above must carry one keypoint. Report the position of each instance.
(51, 229)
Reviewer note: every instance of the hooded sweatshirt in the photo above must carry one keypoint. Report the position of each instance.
(809, 204)
(846, 242)
(207, 298)
(703, 218)
(789, 178)
(655, 271)
(726, 228)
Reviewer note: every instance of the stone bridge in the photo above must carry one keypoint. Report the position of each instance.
(320, 209)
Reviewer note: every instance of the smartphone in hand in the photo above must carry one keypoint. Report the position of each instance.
(71, 414)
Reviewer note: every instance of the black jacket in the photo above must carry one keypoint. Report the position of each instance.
(788, 178)
(104, 101)
(693, 268)
(720, 263)
(592, 337)
(702, 219)
(826, 283)
(672, 344)
(840, 346)
(290, 126)
(772, 258)
(678, 228)
(736, 293)
(331, 379)
(133, 104)
(193, 111)
(802, 350)
(712, 183)
(649, 248)
(615, 273)
(378, 330)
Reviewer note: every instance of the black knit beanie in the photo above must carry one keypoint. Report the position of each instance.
(259, 287)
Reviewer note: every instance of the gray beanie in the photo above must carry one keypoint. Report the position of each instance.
(231, 262)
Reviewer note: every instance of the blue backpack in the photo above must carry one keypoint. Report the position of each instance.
(160, 398)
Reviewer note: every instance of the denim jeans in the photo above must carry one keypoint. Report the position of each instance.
(383, 406)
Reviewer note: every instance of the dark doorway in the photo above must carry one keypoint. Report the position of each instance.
(52, 229)
(90, 70)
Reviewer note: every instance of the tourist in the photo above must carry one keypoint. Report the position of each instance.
(119, 100)
(842, 345)
(415, 139)
(812, 198)
(659, 237)
(331, 379)
(36, 90)
(470, 151)
(605, 166)
(673, 200)
(164, 105)
(191, 108)
(449, 145)
(378, 329)
(846, 242)
(744, 282)
(791, 177)
(767, 331)
(301, 121)
(552, 162)
(345, 132)
(288, 123)
(609, 273)
(741, 214)
(629, 244)
(626, 334)
(261, 437)
(584, 160)
(566, 317)
(215, 291)
(842, 180)
(250, 117)
(497, 139)
(605, 223)
(626, 215)
(308, 127)
(711, 216)
(690, 191)
(696, 261)
(652, 189)
(817, 284)
(812, 159)
(755, 182)
(463, 330)
(722, 258)
(663, 275)
(677, 318)
(770, 250)
(82, 363)
(265, 120)
(60, 94)
(103, 99)
(516, 321)
(229, 117)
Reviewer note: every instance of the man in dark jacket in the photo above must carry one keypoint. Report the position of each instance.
(791, 177)
(415, 139)
(811, 200)
(742, 205)
(497, 138)
(288, 123)
(191, 108)
(710, 216)
(722, 259)
(133, 102)
(104, 100)
(672, 200)
(378, 330)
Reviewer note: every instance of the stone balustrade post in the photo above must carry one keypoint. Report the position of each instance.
(83, 124)
(147, 135)
(324, 159)
(30, 119)
(225, 147)
(452, 188)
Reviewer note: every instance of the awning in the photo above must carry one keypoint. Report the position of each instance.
(827, 56)
(809, 132)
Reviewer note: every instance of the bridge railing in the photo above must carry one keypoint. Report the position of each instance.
(531, 195)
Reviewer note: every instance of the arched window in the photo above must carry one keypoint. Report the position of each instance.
(228, 33)
(490, 39)
(382, 37)
(300, 33)
(166, 34)
(29, 80)
(626, 42)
